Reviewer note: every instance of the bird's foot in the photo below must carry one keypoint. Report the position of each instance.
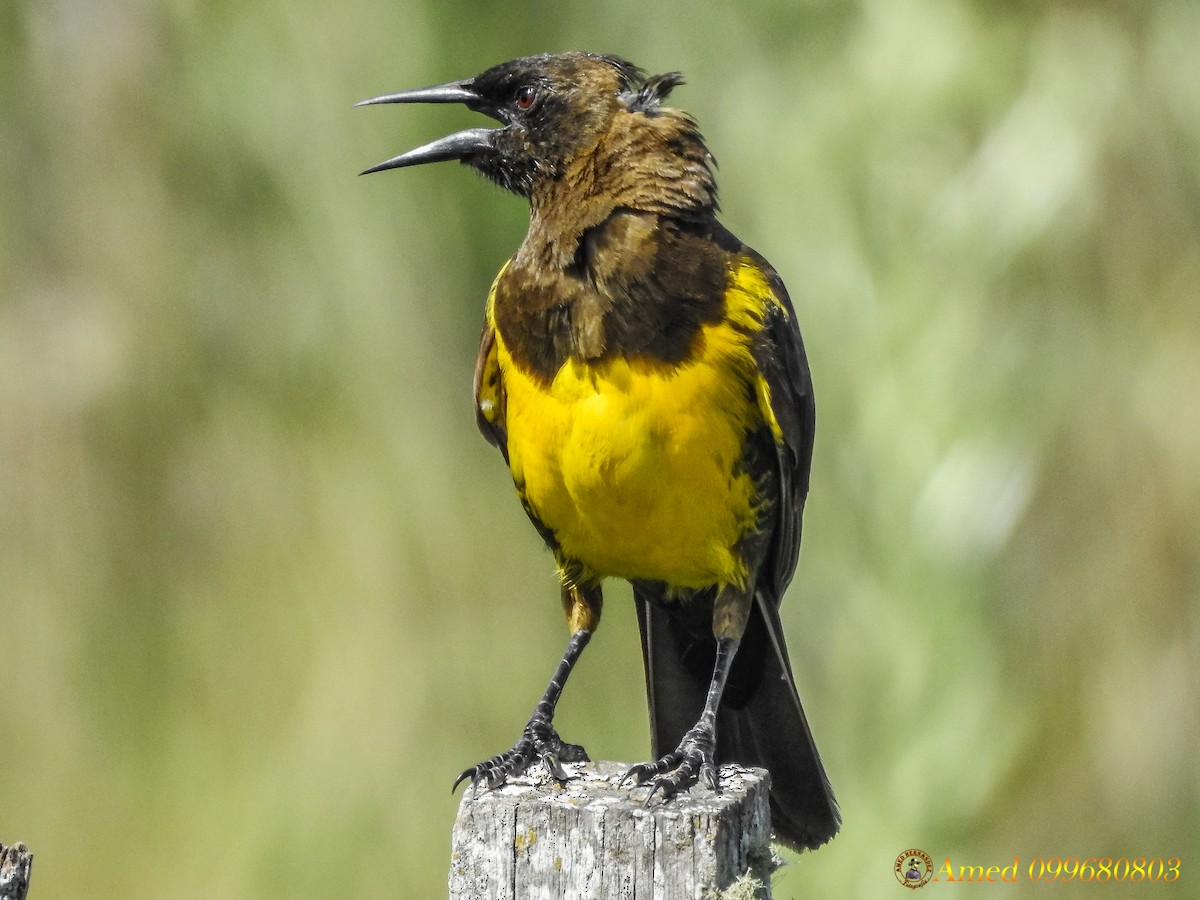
(693, 761)
(539, 741)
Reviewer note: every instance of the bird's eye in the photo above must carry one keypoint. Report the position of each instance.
(525, 98)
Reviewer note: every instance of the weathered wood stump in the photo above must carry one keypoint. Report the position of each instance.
(592, 838)
(16, 862)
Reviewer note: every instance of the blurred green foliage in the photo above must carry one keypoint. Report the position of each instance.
(264, 591)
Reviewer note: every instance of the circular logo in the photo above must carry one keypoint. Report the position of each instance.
(914, 868)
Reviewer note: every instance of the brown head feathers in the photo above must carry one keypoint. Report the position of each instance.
(580, 126)
(649, 96)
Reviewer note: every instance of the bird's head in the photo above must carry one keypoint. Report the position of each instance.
(595, 123)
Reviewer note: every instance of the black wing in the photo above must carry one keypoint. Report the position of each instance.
(783, 366)
(761, 721)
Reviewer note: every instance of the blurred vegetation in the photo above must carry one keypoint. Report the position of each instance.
(264, 591)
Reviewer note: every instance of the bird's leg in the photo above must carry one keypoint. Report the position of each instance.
(539, 740)
(695, 758)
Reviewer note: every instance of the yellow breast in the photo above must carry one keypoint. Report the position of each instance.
(635, 465)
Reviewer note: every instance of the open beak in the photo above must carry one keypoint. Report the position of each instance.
(460, 145)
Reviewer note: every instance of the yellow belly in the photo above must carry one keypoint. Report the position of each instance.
(636, 466)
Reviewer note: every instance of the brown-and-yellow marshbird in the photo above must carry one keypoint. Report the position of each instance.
(642, 372)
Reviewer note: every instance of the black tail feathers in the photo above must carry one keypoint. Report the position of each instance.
(760, 722)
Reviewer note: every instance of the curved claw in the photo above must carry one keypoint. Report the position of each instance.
(554, 767)
(539, 741)
(664, 784)
(693, 762)
(487, 769)
(643, 772)
(634, 774)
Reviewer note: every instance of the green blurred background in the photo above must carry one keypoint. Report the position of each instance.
(264, 591)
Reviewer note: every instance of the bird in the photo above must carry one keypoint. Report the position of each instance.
(642, 372)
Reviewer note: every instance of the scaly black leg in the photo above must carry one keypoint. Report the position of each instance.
(539, 740)
(695, 758)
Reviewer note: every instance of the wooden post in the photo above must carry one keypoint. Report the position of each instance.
(592, 838)
(15, 865)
